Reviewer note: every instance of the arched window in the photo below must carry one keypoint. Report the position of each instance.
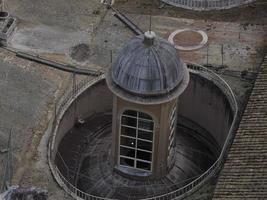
(136, 140)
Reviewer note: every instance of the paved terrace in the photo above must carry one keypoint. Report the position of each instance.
(244, 175)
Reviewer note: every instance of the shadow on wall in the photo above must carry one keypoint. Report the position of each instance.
(206, 105)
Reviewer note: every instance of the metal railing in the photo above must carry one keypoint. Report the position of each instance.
(71, 95)
(207, 4)
(74, 191)
(71, 176)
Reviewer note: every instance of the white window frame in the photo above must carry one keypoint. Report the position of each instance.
(136, 138)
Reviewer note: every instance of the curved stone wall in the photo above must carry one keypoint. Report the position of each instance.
(207, 4)
(205, 104)
(96, 99)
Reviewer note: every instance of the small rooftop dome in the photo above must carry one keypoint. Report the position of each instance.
(148, 66)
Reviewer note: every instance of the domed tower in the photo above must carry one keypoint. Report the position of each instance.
(146, 80)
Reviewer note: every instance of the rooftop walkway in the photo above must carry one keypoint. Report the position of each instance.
(244, 175)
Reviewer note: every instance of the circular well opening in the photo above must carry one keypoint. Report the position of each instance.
(3, 14)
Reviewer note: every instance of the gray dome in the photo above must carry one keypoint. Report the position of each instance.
(148, 65)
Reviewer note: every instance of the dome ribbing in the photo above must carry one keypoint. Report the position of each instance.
(148, 65)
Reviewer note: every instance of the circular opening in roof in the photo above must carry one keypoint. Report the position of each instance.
(188, 39)
(3, 15)
(79, 161)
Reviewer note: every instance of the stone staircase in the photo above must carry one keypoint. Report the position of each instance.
(244, 175)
